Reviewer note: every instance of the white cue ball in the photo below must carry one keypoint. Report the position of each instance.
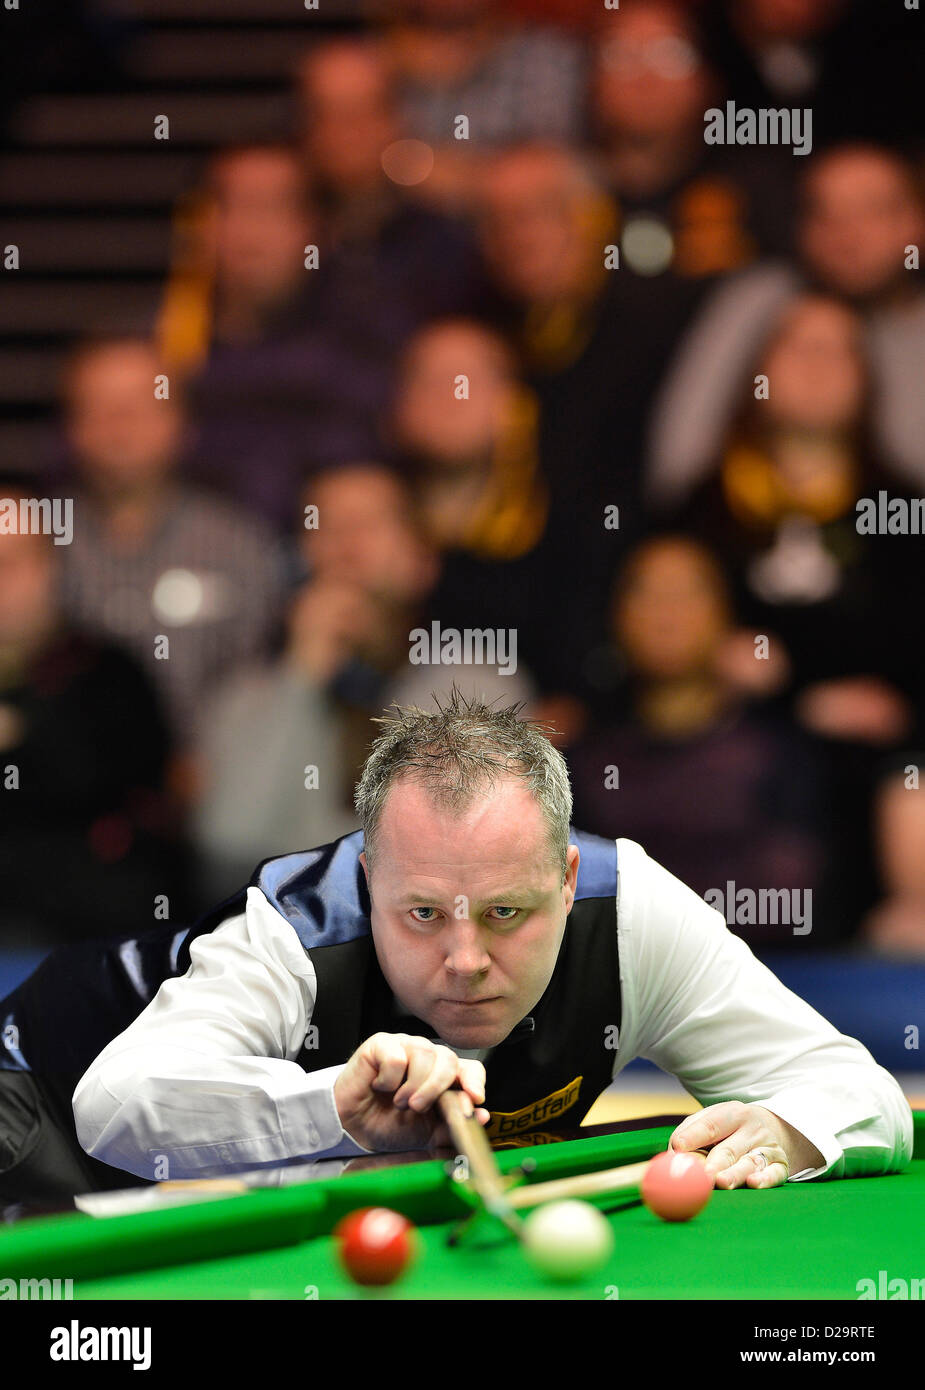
(567, 1240)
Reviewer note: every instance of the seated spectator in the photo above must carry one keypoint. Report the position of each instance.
(592, 344)
(466, 429)
(482, 490)
(184, 579)
(782, 511)
(847, 62)
(281, 744)
(896, 925)
(364, 181)
(512, 82)
(86, 845)
(591, 340)
(827, 598)
(287, 367)
(722, 792)
(685, 206)
(861, 212)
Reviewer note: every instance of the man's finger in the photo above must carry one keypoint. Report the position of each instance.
(422, 1059)
(439, 1078)
(775, 1175)
(388, 1057)
(472, 1078)
(725, 1157)
(708, 1127)
(754, 1163)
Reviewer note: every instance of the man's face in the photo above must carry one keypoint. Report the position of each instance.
(468, 910)
(260, 224)
(649, 77)
(366, 536)
(534, 224)
(429, 420)
(348, 116)
(858, 219)
(122, 434)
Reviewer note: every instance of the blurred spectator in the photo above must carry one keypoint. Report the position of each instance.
(783, 52)
(85, 845)
(363, 174)
(281, 746)
(512, 83)
(856, 63)
(896, 926)
(829, 599)
(592, 344)
(243, 234)
(685, 206)
(715, 791)
(479, 481)
(473, 456)
(288, 367)
(782, 510)
(861, 212)
(184, 579)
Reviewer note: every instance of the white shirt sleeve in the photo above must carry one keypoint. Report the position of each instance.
(211, 1061)
(697, 1003)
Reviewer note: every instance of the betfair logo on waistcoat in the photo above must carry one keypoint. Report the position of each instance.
(538, 1112)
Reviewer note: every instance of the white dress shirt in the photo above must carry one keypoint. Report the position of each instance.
(204, 1081)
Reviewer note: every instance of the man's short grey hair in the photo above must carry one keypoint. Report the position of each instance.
(458, 751)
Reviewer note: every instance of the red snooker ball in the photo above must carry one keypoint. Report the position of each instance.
(676, 1186)
(376, 1244)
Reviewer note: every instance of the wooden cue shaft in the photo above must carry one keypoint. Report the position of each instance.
(616, 1180)
(612, 1180)
(470, 1139)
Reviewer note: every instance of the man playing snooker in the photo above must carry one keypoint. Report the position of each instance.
(474, 944)
(477, 942)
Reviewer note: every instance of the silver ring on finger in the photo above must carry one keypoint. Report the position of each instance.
(760, 1153)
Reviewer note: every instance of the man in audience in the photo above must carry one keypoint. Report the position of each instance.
(279, 744)
(468, 436)
(850, 63)
(591, 342)
(363, 182)
(686, 207)
(511, 82)
(184, 579)
(86, 845)
(287, 364)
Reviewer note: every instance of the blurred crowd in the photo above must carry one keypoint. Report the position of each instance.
(480, 342)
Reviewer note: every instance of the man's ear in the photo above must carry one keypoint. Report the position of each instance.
(573, 857)
(365, 866)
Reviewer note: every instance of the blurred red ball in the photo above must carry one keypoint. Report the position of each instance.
(375, 1244)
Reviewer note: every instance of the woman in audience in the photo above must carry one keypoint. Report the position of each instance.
(793, 508)
(716, 790)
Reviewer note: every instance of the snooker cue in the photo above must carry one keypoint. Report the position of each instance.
(614, 1181)
(484, 1174)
